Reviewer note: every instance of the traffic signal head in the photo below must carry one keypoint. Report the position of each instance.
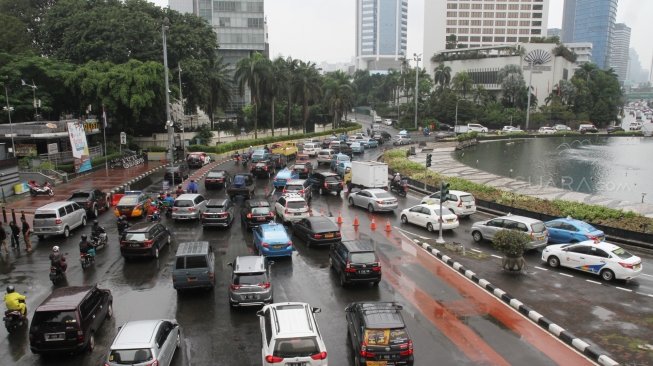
(428, 160)
(444, 190)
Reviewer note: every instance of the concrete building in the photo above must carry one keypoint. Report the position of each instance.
(381, 34)
(241, 29)
(583, 51)
(620, 45)
(554, 32)
(590, 21)
(479, 23)
(484, 63)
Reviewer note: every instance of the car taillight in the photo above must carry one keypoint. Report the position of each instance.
(265, 167)
(148, 243)
(275, 179)
(348, 267)
(460, 203)
(284, 191)
(58, 221)
(319, 356)
(326, 185)
(191, 209)
(592, 237)
(249, 215)
(407, 348)
(273, 359)
(174, 209)
(265, 245)
(80, 336)
(628, 265)
(364, 352)
(301, 192)
(234, 287)
(317, 236)
(264, 285)
(376, 267)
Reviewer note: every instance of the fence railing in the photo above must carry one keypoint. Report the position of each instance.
(67, 156)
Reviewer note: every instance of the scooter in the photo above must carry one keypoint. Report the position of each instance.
(36, 190)
(100, 241)
(14, 319)
(155, 216)
(88, 258)
(56, 274)
(400, 188)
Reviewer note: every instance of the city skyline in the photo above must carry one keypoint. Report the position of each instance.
(336, 43)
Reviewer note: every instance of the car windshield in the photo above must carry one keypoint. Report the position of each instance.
(183, 203)
(294, 187)
(78, 195)
(383, 195)
(622, 253)
(467, 198)
(65, 317)
(538, 227)
(130, 356)
(215, 175)
(128, 200)
(249, 278)
(384, 337)
(296, 204)
(135, 236)
(332, 179)
(296, 347)
(214, 208)
(367, 257)
(196, 261)
(260, 210)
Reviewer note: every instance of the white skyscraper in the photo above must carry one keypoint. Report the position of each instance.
(620, 44)
(479, 23)
(381, 34)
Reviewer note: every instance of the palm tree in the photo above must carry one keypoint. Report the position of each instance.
(442, 75)
(252, 72)
(219, 81)
(288, 70)
(307, 86)
(463, 83)
(338, 93)
(276, 82)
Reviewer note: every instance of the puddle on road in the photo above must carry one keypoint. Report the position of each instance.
(603, 313)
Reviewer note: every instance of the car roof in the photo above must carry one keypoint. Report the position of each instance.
(193, 247)
(608, 247)
(54, 205)
(293, 197)
(187, 196)
(328, 174)
(524, 219)
(274, 231)
(217, 202)
(357, 246)
(295, 181)
(141, 227)
(65, 298)
(293, 318)
(136, 334)
(381, 315)
(249, 264)
(258, 203)
(322, 223)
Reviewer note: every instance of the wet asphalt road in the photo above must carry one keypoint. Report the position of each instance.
(449, 327)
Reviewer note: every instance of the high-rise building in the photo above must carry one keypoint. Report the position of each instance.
(381, 34)
(478, 23)
(583, 51)
(554, 32)
(240, 26)
(620, 45)
(590, 21)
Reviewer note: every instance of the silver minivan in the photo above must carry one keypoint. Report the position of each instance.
(58, 218)
(250, 281)
(145, 342)
(194, 266)
(188, 206)
(534, 228)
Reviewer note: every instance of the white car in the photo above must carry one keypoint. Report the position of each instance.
(562, 128)
(511, 129)
(291, 207)
(428, 216)
(477, 127)
(546, 130)
(145, 342)
(461, 203)
(387, 122)
(604, 259)
(324, 156)
(311, 148)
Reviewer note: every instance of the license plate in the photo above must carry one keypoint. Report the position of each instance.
(376, 363)
(364, 271)
(539, 237)
(191, 279)
(449, 221)
(260, 218)
(468, 206)
(55, 336)
(328, 236)
(297, 213)
(134, 245)
(296, 364)
(277, 246)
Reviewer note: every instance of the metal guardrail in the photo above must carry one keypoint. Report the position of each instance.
(67, 156)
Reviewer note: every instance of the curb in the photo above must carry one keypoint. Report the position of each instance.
(568, 338)
(134, 180)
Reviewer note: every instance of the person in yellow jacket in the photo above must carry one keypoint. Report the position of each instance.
(346, 179)
(15, 301)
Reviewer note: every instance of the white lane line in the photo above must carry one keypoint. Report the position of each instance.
(541, 269)
(595, 282)
(414, 234)
(643, 294)
(475, 250)
(647, 275)
(623, 289)
(564, 274)
(496, 256)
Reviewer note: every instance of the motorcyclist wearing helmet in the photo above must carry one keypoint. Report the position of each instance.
(169, 200)
(179, 190)
(15, 301)
(85, 247)
(122, 224)
(97, 230)
(57, 259)
(396, 179)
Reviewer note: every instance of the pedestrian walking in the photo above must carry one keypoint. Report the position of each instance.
(15, 235)
(27, 231)
(3, 238)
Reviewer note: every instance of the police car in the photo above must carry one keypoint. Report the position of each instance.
(604, 259)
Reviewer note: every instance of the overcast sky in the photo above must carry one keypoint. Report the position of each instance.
(323, 30)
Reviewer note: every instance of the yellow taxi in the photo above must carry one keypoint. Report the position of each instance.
(133, 204)
(287, 149)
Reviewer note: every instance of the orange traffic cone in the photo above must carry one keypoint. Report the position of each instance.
(339, 221)
(388, 228)
(373, 224)
(356, 223)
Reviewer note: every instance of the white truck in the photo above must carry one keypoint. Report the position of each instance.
(368, 174)
(471, 127)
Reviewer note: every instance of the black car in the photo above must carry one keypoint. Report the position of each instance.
(303, 169)
(92, 200)
(68, 319)
(317, 230)
(256, 212)
(378, 334)
(355, 261)
(217, 179)
(613, 129)
(264, 168)
(326, 143)
(176, 173)
(279, 161)
(326, 182)
(444, 127)
(144, 239)
(218, 213)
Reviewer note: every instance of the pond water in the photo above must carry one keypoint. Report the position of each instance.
(616, 167)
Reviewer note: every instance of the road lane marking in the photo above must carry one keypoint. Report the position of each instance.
(595, 282)
(647, 275)
(411, 233)
(623, 289)
(496, 256)
(644, 294)
(564, 274)
(475, 250)
(540, 268)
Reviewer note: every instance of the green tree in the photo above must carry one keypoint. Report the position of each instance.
(14, 37)
(442, 75)
(512, 84)
(462, 83)
(338, 94)
(288, 73)
(219, 84)
(307, 84)
(252, 72)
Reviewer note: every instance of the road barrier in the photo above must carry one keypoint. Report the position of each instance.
(356, 223)
(373, 224)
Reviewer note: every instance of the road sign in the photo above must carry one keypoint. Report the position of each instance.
(53, 148)
(123, 138)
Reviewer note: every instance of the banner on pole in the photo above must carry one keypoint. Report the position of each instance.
(80, 147)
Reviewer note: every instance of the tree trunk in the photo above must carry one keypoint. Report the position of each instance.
(256, 120)
(513, 264)
(289, 111)
(273, 117)
(305, 114)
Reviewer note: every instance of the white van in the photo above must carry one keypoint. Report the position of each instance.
(311, 148)
(58, 218)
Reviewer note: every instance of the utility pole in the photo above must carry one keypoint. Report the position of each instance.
(171, 129)
(11, 126)
(417, 58)
(183, 114)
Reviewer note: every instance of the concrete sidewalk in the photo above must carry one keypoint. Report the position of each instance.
(444, 162)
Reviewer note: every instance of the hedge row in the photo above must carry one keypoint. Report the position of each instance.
(600, 215)
(244, 144)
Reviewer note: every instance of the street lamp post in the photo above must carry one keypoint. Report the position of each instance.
(417, 58)
(36, 106)
(171, 129)
(528, 103)
(455, 124)
(11, 126)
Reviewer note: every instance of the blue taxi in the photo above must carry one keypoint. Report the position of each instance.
(282, 177)
(568, 230)
(272, 240)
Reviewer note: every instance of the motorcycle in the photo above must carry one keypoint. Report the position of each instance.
(14, 319)
(155, 216)
(86, 259)
(122, 227)
(401, 188)
(36, 190)
(100, 241)
(56, 274)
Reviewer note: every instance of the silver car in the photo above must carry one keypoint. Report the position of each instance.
(534, 228)
(250, 281)
(58, 218)
(145, 342)
(374, 199)
(188, 206)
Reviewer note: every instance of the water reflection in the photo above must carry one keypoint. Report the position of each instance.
(616, 167)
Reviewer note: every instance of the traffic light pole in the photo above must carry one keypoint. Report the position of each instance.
(440, 239)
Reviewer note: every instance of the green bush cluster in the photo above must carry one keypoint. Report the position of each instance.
(467, 136)
(567, 133)
(627, 133)
(157, 149)
(244, 144)
(95, 162)
(511, 243)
